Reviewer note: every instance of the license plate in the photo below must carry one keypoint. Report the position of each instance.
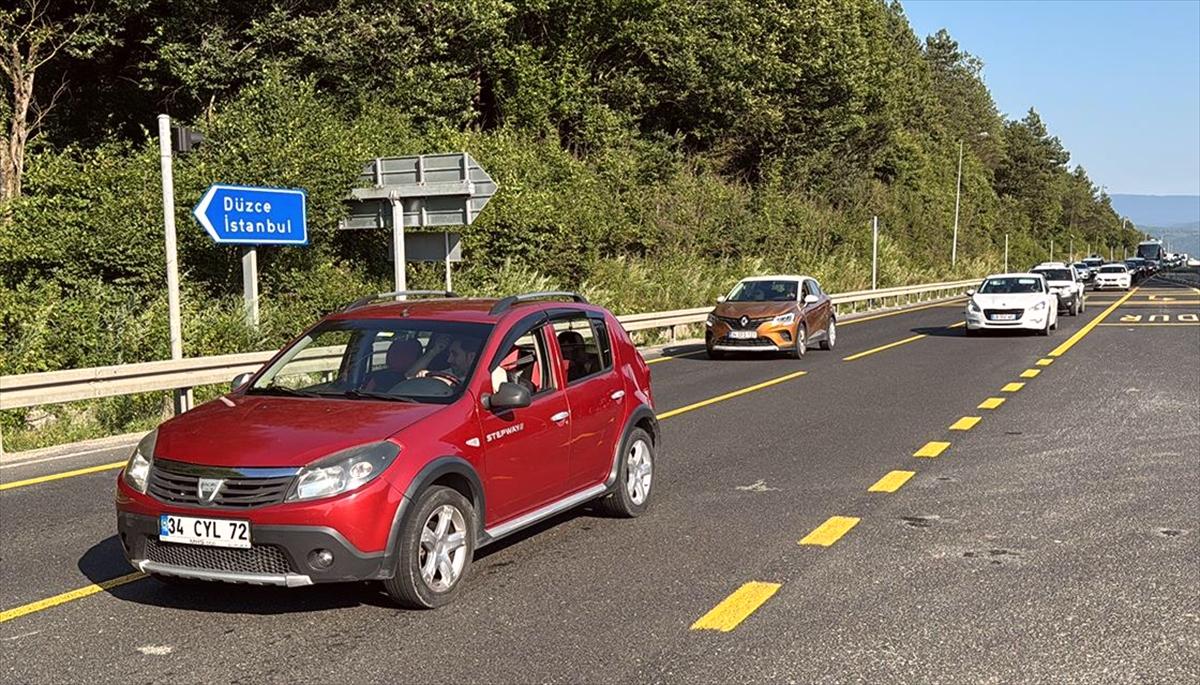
(201, 531)
(1005, 317)
(743, 335)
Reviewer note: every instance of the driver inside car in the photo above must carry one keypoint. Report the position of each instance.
(460, 357)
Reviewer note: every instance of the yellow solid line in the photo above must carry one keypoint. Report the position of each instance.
(737, 607)
(899, 311)
(1045, 362)
(64, 474)
(668, 358)
(892, 481)
(729, 395)
(966, 423)
(1030, 373)
(881, 348)
(1012, 387)
(831, 531)
(9, 614)
(931, 449)
(991, 403)
(1156, 323)
(1087, 328)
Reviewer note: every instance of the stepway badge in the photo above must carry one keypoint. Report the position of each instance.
(254, 216)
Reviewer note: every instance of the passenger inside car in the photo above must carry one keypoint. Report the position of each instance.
(579, 362)
(401, 356)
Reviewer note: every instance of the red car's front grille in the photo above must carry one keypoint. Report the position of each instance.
(178, 483)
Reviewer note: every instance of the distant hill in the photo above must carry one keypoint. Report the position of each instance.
(1164, 211)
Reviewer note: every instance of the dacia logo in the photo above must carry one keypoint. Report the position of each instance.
(505, 431)
(207, 489)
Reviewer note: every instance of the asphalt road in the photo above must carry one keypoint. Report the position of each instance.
(1056, 539)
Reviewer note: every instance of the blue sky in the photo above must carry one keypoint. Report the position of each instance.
(1117, 82)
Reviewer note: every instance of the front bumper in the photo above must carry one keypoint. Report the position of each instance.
(356, 528)
(1030, 320)
(279, 555)
(768, 338)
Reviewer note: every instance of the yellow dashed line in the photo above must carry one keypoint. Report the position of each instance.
(931, 449)
(1030, 373)
(892, 481)
(1012, 387)
(1045, 362)
(966, 423)
(737, 607)
(991, 403)
(9, 614)
(831, 531)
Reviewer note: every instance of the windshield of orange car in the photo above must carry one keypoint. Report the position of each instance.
(764, 291)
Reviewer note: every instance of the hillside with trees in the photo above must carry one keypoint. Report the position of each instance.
(649, 153)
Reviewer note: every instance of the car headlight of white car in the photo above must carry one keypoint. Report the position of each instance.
(343, 471)
(137, 469)
(784, 319)
(973, 307)
(1039, 306)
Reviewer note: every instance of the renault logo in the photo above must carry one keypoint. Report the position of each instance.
(208, 488)
(745, 320)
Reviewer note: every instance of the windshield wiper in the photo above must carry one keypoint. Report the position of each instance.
(357, 394)
(283, 390)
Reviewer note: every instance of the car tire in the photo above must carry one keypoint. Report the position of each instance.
(971, 332)
(1082, 304)
(830, 335)
(801, 345)
(631, 493)
(714, 354)
(1074, 308)
(424, 535)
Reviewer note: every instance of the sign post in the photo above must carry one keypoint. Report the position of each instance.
(183, 398)
(251, 216)
(421, 192)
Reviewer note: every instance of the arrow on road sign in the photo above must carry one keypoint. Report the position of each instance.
(254, 216)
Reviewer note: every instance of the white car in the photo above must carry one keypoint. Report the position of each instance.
(1114, 276)
(1012, 301)
(1065, 282)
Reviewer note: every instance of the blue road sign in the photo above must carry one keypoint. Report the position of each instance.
(254, 216)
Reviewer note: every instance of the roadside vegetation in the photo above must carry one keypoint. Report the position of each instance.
(649, 153)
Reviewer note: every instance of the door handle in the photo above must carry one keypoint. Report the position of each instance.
(617, 395)
(560, 416)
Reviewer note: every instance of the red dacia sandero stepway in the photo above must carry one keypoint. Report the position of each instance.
(393, 439)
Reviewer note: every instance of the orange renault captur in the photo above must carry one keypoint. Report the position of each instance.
(771, 314)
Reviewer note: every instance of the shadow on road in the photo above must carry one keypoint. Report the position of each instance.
(105, 560)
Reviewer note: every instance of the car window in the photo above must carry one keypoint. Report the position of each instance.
(403, 360)
(584, 346)
(764, 291)
(1011, 286)
(524, 363)
(1055, 274)
(1113, 270)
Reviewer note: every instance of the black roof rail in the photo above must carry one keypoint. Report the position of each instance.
(363, 301)
(506, 303)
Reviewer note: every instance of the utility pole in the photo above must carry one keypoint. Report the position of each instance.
(874, 252)
(957, 198)
(183, 398)
(1051, 249)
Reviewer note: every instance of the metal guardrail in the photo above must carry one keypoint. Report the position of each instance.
(54, 387)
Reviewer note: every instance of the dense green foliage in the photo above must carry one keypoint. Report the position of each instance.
(648, 151)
